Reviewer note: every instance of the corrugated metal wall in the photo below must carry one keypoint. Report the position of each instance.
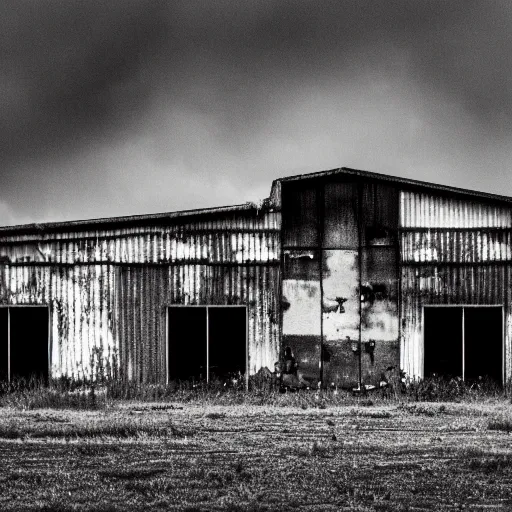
(422, 210)
(110, 288)
(452, 251)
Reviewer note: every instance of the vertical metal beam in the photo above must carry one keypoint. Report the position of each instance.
(320, 208)
(279, 298)
(360, 264)
(399, 302)
(207, 345)
(359, 278)
(50, 347)
(463, 346)
(506, 342)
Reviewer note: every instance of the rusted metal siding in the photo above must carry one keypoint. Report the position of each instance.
(300, 215)
(109, 288)
(143, 293)
(81, 301)
(456, 246)
(452, 251)
(341, 214)
(423, 210)
(237, 240)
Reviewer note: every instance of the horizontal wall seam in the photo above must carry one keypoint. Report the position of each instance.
(165, 264)
(172, 231)
(455, 263)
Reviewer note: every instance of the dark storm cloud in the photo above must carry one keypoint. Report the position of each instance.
(68, 68)
(184, 89)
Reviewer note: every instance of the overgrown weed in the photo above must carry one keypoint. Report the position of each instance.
(120, 429)
(502, 424)
(491, 464)
(107, 388)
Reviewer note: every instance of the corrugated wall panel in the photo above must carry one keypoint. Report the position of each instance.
(80, 300)
(455, 246)
(450, 285)
(421, 210)
(238, 239)
(110, 288)
(145, 292)
(453, 252)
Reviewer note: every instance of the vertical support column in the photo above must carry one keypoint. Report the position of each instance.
(50, 347)
(320, 199)
(463, 347)
(360, 227)
(207, 345)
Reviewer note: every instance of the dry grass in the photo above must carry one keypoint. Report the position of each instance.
(106, 391)
(138, 456)
(74, 447)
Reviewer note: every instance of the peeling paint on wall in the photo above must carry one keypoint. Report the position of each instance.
(379, 312)
(341, 279)
(108, 290)
(301, 314)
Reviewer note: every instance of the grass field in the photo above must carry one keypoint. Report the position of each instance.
(195, 455)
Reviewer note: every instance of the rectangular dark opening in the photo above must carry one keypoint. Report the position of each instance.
(29, 355)
(4, 344)
(227, 334)
(206, 342)
(187, 343)
(483, 331)
(443, 342)
(465, 342)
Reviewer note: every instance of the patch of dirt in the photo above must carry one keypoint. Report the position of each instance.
(252, 458)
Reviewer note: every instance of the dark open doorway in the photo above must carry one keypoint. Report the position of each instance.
(483, 343)
(24, 342)
(227, 341)
(443, 342)
(464, 342)
(186, 343)
(4, 344)
(205, 342)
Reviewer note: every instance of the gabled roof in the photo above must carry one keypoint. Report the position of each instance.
(272, 201)
(408, 183)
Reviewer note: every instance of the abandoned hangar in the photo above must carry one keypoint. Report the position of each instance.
(355, 271)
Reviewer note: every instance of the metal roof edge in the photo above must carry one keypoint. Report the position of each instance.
(270, 202)
(396, 179)
(128, 219)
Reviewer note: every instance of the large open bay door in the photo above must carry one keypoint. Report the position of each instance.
(24, 342)
(464, 341)
(206, 342)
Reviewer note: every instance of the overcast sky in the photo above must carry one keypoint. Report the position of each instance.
(125, 107)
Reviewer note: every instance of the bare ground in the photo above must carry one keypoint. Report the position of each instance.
(191, 457)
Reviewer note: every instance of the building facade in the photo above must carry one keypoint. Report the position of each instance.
(355, 271)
